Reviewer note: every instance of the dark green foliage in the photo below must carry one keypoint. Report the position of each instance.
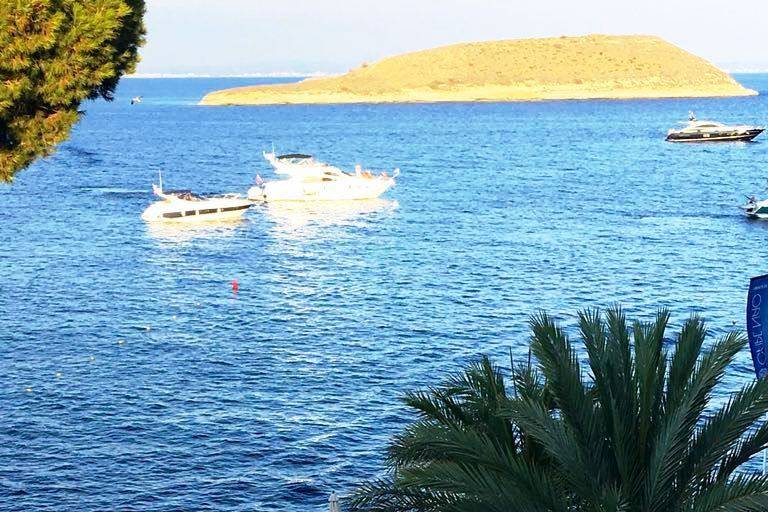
(53, 55)
(632, 431)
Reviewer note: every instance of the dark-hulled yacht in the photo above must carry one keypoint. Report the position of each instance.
(712, 131)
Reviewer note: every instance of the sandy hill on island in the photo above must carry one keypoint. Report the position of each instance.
(595, 66)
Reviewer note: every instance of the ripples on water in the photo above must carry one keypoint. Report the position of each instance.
(175, 394)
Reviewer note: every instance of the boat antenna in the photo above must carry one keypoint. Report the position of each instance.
(160, 174)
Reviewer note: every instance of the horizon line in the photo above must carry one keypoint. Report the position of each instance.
(313, 74)
(736, 69)
(274, 74)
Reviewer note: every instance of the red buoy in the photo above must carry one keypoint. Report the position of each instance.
(235, 286)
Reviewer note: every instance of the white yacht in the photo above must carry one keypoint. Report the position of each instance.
(311, 180)
(712, 131)
(184, 206)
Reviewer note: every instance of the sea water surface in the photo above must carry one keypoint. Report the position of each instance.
(133, 378)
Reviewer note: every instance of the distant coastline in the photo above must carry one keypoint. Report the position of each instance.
(290, 74)
(297, 74)
(586, 67)
(275, 74)
(746, 71)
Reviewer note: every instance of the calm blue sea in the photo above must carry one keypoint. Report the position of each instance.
(132, 378)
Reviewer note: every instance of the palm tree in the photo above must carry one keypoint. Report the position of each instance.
(632, 432)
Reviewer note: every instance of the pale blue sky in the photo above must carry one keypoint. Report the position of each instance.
(258, 36)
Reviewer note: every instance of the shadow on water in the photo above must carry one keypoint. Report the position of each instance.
(758, 224)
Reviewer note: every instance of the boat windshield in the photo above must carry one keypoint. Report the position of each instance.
(294, 156)
(706, 124)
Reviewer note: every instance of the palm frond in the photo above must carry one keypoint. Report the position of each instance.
(687, 351)
(721, 432)
(746, 448)
(680, 421)
(560, 365)
(385, 495)
(744, 493)
(634, 434)
(561, 446)
(650, 365)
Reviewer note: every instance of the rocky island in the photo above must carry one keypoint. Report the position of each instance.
(594, 66)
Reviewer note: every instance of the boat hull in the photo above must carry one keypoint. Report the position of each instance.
(162, 212)
(298, 190)
(727, 136)
(756, 209)
(759, 213)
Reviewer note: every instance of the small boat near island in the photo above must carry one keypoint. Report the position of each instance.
(311, 180)
(712, 131)
(184, 206)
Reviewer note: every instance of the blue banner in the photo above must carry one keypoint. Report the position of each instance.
(757, 323)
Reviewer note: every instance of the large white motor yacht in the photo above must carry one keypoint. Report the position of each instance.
(184, 206)
(311, 180)
(712, 131)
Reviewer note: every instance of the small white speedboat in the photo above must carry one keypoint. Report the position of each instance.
(184, 206)
(756, 208)
(310, 180)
